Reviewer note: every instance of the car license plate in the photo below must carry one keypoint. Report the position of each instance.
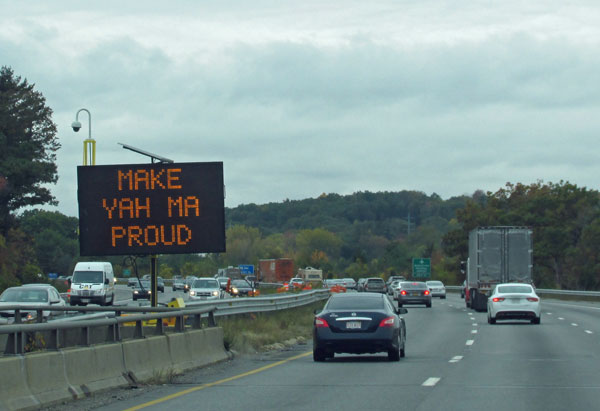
(416, 294)
(353, 325)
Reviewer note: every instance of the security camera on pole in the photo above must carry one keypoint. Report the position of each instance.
(89, 145)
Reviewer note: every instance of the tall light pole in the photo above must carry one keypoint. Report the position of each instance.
(89, 145)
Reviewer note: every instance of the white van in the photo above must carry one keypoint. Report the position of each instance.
(93, 282)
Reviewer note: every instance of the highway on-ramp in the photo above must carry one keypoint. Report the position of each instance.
(454, 360)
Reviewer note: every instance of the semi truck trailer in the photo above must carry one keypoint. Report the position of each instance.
(496, 255)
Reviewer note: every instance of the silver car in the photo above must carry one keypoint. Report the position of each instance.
(437, 288)
(31, 295)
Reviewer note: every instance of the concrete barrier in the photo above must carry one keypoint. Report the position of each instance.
(147, 358)
(44, 378)
(14, 390)
(47, 379)
(96, 368)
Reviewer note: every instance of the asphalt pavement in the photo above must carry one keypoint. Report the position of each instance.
(454, 361)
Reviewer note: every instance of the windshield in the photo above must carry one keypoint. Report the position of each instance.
(24, 296)
(145, 284)
(414, 286)
(375, 280)
(95, 277)
(515, 289)
(241, 283)
(356, 303)
(205, 284)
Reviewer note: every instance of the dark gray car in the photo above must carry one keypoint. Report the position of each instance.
(412, 292)
(375, 285)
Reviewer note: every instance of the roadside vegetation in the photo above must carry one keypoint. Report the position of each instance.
(261, 331)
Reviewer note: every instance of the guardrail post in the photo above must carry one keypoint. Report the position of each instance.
(15, 343)
(39, 316)
(139, 329)
(211, 319)
(197, 322)
(159, 326)
(179, 323)
(54, 342)
(17, 316)
(85, 336)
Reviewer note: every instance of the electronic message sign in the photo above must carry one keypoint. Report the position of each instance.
(166, 208)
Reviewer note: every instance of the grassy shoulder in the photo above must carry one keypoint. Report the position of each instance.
(260, 331)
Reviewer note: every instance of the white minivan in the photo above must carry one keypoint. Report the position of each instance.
(93, 282)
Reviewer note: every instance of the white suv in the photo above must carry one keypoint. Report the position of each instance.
(205, 288)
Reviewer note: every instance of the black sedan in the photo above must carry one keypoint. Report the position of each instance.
(142, 290)
(358, 324)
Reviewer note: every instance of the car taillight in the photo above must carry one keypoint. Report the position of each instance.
(321, 323)
(532, 299)
(497, 299)
(387, 322)
(403, 292)
(426, 292)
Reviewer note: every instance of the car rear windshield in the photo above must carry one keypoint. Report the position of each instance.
(205, 284)
(435, 283)
(94, 277)
(375, 280)
(364, 303)
(514, 289)
(414, 286)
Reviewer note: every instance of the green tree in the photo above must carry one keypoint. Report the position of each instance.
(28, 140)
(54, 239)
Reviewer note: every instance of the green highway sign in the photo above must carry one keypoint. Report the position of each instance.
(421, 267)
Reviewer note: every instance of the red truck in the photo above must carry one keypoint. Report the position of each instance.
(275, 270)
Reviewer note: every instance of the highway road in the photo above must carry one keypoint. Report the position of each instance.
(454, 361)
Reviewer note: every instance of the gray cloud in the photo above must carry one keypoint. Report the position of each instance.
(443, 107)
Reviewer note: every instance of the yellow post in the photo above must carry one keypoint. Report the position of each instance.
(89, 146)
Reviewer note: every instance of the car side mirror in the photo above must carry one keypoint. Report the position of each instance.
(106, 281)
(317, 311)
(402, 310)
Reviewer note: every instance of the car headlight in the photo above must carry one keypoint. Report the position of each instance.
(215, 293)
(234, 290)
(136, 292)
(192, 293)
(149, 292)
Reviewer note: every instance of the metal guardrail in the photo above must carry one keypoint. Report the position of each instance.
(573, 293)
(193, 313)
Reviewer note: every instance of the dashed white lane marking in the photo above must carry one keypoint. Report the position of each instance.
(430, 382)
(574, 324)
(470, 342)
(560, 318)
(456, 358)
(473, 331)
(474, 324)
(589, 332)
(549, 313)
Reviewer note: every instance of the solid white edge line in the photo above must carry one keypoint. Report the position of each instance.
(470, 342)
(430, 382)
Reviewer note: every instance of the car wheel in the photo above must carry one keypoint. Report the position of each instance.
(318, 355)
(491, 320)
(394, 353)
(428, 305)
(443, 297)
(536, 320)
(399, 304)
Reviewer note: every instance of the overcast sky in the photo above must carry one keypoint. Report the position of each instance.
(301, 98)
